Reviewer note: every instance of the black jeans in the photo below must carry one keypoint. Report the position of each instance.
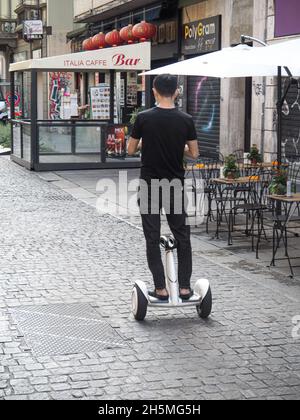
(182, 234)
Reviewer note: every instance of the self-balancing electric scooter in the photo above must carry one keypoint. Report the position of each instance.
(202, 297)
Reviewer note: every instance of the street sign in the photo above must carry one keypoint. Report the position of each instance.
(33, 29)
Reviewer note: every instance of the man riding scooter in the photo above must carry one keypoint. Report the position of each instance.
(168, 135)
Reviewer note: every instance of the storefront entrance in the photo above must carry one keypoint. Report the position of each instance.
(203, 104)
(76, 137)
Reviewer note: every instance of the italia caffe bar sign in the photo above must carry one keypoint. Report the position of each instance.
(122, 58)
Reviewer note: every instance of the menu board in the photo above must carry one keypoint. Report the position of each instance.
(100, 102)
(132, 95)
(132, 88)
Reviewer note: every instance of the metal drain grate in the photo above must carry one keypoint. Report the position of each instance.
(54, 197)
(65, 329)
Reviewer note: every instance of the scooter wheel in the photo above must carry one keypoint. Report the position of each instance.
(205, 307)
(139, 304)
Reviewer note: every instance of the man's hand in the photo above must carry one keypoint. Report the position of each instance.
(134, 145)
(192, 150)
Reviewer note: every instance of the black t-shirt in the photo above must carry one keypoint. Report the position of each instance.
(165, 133)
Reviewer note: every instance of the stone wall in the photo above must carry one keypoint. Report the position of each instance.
(264, 117)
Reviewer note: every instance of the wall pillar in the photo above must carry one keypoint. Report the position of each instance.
(237, 20)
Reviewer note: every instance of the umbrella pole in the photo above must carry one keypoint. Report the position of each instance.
(279, 116)
(279, 129)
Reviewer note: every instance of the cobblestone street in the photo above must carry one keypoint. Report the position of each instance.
(60, 257)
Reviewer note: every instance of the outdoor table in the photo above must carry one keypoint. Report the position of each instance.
(231, 186)
(206, 166)
(265, 165)
(292, 203)
(236, 181)
(203, 167)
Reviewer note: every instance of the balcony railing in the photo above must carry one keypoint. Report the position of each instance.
(27, 3)
(7, 26)
(85, 10)
(8, 37)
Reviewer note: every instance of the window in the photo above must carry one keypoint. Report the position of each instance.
(287, 20)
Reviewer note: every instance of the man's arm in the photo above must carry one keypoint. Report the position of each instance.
(192, 150)
(133, 146)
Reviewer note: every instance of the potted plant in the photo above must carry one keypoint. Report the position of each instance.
(231, 170)
(278, 184)
(254, 156)
(5, 138)
(134, 115)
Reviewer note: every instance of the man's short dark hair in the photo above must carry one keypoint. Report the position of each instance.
(166, 85)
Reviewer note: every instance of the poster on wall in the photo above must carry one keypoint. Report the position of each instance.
(132, 95)
(132, 89)
(58, 82)
(116, 141)
(100, 102)
(69, 105)
(17, 100)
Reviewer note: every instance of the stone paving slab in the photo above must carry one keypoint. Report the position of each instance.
(61, 251)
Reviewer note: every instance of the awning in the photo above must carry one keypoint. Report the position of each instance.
(124, 58)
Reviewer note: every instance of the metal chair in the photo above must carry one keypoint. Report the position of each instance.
(254, 208)
(206, 174)
(239, 155)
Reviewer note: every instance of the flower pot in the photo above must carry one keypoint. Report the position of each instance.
(278, 189)
(232, 175)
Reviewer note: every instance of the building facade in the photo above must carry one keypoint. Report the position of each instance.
(230, 114)
(8, 37)
(276, 21)
(186, 28)
(57, 18)
(219, 107)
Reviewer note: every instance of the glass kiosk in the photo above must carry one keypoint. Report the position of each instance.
(89, 135)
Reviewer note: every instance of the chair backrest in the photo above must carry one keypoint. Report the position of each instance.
(239, 155)
(294, 175)
(221, 158)
(265, 180)
(294, 172)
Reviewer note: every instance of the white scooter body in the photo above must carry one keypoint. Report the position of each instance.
(202, 297)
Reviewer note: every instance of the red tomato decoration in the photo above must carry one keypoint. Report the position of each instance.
(127, 35)
(113, 38)
(153, 30)
(98, 41)
(87, 44)
(144, 31)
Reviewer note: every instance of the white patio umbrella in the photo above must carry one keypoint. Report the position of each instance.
(243, 61)
(239, 61)
(284, 54)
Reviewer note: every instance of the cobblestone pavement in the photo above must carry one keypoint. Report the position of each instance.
(56, 249)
